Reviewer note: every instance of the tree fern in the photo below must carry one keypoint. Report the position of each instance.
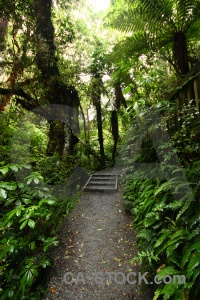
(165, 21)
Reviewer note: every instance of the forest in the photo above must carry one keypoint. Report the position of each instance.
(83, 89)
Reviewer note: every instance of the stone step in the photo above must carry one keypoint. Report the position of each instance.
(102, 182)
(103, 177)
(105, 182)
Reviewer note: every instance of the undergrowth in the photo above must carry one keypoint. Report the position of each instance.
(163, 198)
(29, 219)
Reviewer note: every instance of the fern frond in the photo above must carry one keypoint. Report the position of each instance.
(169, 270)
(196, 218)
(149, 221)
(170, 290)
(185, 8)
(160, 240)
(129, 21)
(145, 234)
(157, 293)
(194, 262)
(183, 209)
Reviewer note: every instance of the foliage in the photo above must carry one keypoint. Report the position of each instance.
(160, 24)
(139, 63)
(28, 223)
(167, 228)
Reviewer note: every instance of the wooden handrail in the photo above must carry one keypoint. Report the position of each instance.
(193, 73)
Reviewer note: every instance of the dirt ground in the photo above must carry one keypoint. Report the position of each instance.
(95, 239)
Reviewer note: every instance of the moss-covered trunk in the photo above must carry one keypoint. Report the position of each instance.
(55, 91)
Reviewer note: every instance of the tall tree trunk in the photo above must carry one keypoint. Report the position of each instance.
(115, 133)
(119, 97)
(56, 138)
(119, 100)
(97, 103)
(56, 92)
(3, 32)
(180, 53)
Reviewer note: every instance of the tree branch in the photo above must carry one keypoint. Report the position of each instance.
(30, 104)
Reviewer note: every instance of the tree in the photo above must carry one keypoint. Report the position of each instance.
(160, 23)
(52, 89)
(55, 90)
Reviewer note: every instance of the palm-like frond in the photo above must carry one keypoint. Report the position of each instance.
(158, 14)
(162, 22)
(185, 13)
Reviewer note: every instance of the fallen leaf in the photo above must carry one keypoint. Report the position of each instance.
(52, 290)
(117, 259)
(104, 262)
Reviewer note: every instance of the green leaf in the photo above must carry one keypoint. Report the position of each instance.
(11, 248)
(29, 180)
(36, 180)
(168, 291)
(145, 234)
(194, 262)
(13, 167)
(3, 193)
(4, 170)
(51, 202)
(26, 200)
(31, 223)
(149, 221)
(23, 224)
(160, 240)
(10, 186)
(183, 209)
(168, 271)
(18, 212)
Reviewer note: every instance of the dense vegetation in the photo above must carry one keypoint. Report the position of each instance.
(84, 90)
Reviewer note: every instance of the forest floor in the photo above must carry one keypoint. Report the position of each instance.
(96, 237)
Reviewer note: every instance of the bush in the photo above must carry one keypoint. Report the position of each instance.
(30, 217)
(167, 228)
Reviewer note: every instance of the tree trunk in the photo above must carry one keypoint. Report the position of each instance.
(56, 138)
(3, 32)
(180, 53)
(55, 91)
(97, 103)
(115, 133)
(119, 97)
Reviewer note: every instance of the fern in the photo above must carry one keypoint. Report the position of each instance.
(160, 240)
(194, 262)
(183, 209)
(168, 271)
(170, 290)
(145, 234)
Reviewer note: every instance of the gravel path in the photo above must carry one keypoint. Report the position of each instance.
(96, 237)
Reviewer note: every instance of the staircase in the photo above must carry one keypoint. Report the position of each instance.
(102, 182)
